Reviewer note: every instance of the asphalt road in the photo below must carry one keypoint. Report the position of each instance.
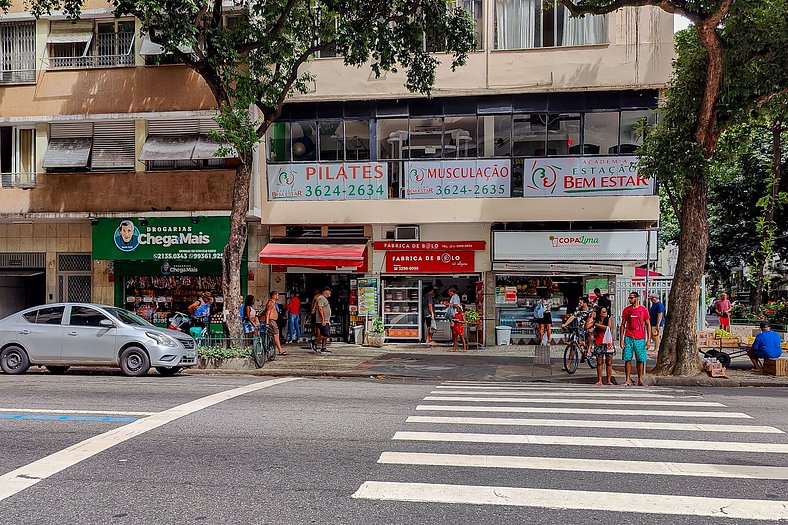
(323, 451)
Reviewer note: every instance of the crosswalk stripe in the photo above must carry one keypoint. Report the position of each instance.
(639, 402)
(586, 465)
(547, 393)
(595, 423)
(593, 441)
(586, 411)
(575, 500)
(554, 386)
(595, 389)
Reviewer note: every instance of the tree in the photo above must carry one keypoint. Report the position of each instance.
(729, 64)
(253, 64)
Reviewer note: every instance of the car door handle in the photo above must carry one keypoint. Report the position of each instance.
(24, 332)
(72, 333)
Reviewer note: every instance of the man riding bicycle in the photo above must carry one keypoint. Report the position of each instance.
(580, 319)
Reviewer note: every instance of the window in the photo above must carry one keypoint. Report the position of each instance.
(529, 135)
(279, 142)
(17, 52)
(115, 43)
(17, 156)
(632, 129)
(85, 44)
(527, 24)
(183, 144)
(563, 134)
(357, 140)
(600, 133)
(82, 316)
(100, 146)
(332, 140)
(30, 317)
(495, 136)
(392, 138)
(436, 43)
(460, 137)
(304, 135)
(50, 315)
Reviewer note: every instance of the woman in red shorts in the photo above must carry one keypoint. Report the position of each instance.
(457, 322)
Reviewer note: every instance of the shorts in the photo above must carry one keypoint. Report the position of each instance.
(457, 326)
(656, 331)
(273, 327)
(545, 319)
(725, 321)
(636, 346)
(325, 330)
(761, 354)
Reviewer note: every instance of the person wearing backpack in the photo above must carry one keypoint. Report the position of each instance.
(543, 317)
(635, 335)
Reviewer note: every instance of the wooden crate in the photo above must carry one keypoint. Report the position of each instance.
(706, 340)
(729, 342)
(776, 367)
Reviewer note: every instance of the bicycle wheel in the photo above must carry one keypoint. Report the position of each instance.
(571, 358)
(591, 359)
(270, 347)
(258, 351)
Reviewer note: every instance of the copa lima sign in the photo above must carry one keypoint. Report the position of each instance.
(569, 246)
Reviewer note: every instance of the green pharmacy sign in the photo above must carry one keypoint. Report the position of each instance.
(158, 239)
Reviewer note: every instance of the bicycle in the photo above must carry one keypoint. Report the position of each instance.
(263, 347)
(573, 351)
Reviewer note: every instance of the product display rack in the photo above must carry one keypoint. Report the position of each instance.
(402, 311)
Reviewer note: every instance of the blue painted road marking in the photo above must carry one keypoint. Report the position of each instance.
(44, 417)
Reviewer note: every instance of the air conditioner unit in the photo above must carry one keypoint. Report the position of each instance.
(406, 233)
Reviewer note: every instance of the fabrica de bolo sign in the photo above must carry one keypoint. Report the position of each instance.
(584, 177)
(161, 239)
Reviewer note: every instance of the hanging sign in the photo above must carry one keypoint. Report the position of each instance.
(585, 177)
(429, 245)
(458, 179)
(325, 181)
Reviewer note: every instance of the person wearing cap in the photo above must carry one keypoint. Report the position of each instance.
(766, 346)
(200, 309)
(656, 311)
(323, 317)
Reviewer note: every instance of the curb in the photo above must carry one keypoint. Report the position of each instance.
(292, 372)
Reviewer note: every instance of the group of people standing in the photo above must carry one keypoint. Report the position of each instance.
(454, 314)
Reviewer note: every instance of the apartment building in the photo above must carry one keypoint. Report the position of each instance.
(106, 157)
(516, 180)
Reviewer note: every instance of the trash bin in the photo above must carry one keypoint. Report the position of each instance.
(503, 335)
(358, 334)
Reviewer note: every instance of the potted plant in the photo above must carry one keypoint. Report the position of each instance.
(375, 335)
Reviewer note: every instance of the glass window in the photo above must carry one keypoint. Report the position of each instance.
(357, 140)
(50, 315)
(600, 133)
(30, 317)
(529, 135)
(426, 138)
(459, 137)
(82, 316)
(632, 129)
(332, 138)
(304, 135)
(26, 145)
(495, 136)
(563, 132)
(278, 142)
(476, 9)
(526, 24)
(392, 138)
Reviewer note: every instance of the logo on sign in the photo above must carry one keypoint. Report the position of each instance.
(285, 179)
(417, 175)
(581, 240)
(127, 236)
(544, 177)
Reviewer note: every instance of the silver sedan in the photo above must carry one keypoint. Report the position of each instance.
(59, 336)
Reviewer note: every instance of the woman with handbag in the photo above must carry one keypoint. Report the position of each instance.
(604, 349)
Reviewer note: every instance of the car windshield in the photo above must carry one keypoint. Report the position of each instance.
(128, 317)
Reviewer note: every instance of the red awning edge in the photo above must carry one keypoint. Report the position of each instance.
(315, 255)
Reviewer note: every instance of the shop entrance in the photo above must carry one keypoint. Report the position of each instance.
(22, 281)
(306, 285)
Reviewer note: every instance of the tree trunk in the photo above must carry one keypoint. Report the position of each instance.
(236, 244)
(678, 351)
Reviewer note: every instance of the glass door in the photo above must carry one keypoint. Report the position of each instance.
(402, 308)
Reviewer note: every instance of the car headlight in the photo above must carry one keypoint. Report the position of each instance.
(161, 339)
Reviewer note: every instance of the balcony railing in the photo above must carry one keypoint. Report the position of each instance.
(111, 49)
(18, 180)
(19, 76)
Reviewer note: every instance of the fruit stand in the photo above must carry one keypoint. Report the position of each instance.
(721, 345)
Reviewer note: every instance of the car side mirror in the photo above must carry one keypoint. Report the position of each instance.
(106, 323)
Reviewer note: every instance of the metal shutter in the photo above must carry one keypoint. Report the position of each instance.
(71, 130)
(113, 145)
(174, 127)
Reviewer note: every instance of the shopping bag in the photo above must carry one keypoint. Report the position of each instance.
(433, 326)
(607, 339)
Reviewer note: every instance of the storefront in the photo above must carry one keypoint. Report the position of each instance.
(306, 269)
(561, 266)
(411, 267)
(162, 265)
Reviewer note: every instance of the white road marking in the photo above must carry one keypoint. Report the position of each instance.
(586, 411)
(547, 393)
(83, 412)
(582, 388)
(586, 465)
(639, 402)
(28, 475)
(595, 423)
(593, 441)
(575, 500)
(553, 386)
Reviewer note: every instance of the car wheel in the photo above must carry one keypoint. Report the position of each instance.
(134, 362)
(168, 370)
(58, 369)
(14, 360)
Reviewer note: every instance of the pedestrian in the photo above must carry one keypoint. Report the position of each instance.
(657, 317)
(428, 313)
(603, 346)
(272, 320)
(323, 316)
(454, 314)
(200, 310)
(722, 307)
(635, 335)
(544, 321)
(249, 321)
(602, 301)
(313, 315)
(293, 310)
(767, 345)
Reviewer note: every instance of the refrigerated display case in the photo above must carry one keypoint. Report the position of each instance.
(401, 304)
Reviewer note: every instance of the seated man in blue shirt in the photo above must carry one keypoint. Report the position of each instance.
(765, 346)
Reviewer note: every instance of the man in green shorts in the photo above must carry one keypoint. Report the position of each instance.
(635, 337)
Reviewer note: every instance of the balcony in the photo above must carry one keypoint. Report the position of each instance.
(18, 180)
(108, 50)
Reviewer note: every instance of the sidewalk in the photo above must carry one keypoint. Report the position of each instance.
(437, 362)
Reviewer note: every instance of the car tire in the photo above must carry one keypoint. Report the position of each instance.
(168, 371)
(57, 369)
(14, 360)
(134, 362)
